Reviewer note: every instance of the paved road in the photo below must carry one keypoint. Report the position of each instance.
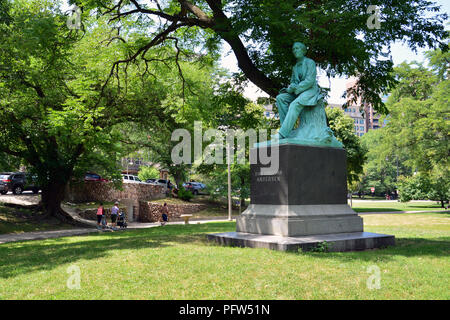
(27, 198)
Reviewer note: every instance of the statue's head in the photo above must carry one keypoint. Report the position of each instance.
(299, 49)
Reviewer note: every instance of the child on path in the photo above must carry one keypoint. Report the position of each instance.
(100, 214)
(164, 216)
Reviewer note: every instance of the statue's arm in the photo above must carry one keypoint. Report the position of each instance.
(310, 78)
(292, 85)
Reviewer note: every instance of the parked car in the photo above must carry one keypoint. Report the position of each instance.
(195, 187)
(151, 181)
(90, 176)
(129, 178)
(163, 183)
(17, 182)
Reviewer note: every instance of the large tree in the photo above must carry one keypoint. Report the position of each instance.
(57, 111)
(178, 102)
(341, 34)
(343, 128)
(242, 117)
(385, 163)
(418, 130)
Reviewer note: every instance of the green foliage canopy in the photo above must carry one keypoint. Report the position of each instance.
(343, 128)
(261, 34)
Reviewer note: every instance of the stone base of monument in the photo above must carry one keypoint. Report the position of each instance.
(305, 227)
(298, 220)
(302, 206)
(328, 242)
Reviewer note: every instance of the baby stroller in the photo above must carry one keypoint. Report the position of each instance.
(121, 221)
(104, 223)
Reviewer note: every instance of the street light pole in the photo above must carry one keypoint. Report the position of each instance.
(229, 183)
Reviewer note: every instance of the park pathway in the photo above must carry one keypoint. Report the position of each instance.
(12, 237)
(39, 235)
(26, 199)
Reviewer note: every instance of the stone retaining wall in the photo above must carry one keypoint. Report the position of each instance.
(104, 191)
(91, 214)
(152, 211)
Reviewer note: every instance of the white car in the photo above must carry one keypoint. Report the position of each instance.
(162, 183)
(128, 178)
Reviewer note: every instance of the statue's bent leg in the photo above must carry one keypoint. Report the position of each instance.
(291, 118)
(283, 100)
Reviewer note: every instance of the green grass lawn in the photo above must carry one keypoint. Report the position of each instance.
(15, 220)
(176, 262)
(380, 206)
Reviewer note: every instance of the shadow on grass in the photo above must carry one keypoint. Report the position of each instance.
(376, 209)
(404, 247)
(415, 208)
(30, 256)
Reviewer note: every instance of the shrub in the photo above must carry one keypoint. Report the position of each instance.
(184, 194)
(148, 173)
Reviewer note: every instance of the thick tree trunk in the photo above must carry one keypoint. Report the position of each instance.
(52, 196)
(223, 27)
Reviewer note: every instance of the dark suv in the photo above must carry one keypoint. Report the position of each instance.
(195, 187)
(17, 182)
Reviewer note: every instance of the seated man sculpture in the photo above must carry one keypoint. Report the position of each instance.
(303, 99)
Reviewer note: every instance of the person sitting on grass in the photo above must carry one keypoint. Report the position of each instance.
(164, 216)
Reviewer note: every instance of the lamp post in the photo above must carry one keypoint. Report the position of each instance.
(229, 183)
(129, 161)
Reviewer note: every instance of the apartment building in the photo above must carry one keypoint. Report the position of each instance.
(354, 112)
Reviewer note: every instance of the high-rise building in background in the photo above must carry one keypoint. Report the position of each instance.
(364, 116)
(268, 112)
(354, 113)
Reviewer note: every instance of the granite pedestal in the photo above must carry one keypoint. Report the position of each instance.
(302, 205)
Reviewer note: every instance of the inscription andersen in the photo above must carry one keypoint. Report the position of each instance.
(268, 179)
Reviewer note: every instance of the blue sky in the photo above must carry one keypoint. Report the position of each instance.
(400, 53)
